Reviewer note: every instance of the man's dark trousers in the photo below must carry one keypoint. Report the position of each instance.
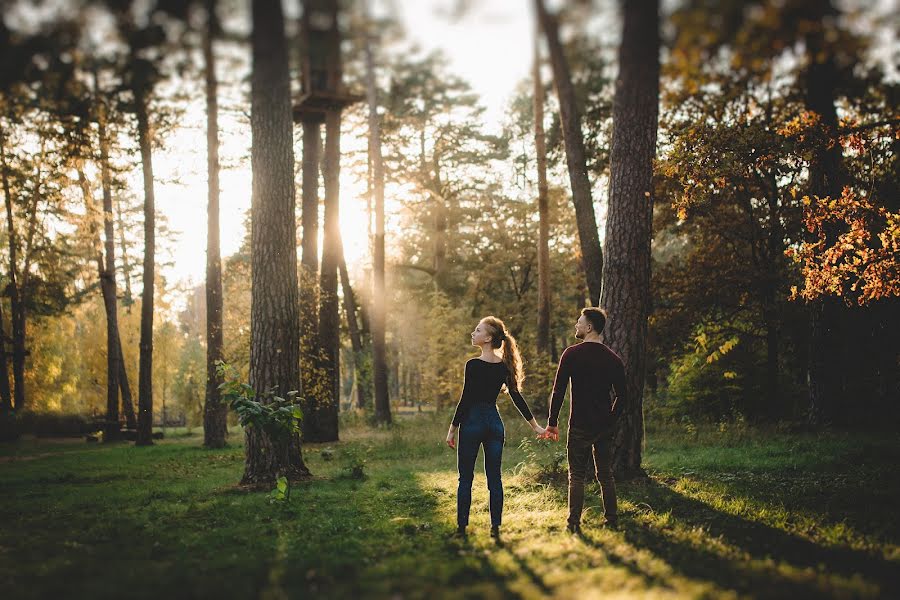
(580, 448)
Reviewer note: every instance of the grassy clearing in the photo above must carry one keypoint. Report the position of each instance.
(724, 514)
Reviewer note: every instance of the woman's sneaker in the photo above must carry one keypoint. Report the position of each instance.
(573, 528)
(495, 531)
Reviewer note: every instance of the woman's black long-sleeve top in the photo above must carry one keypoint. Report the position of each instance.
(482, 386)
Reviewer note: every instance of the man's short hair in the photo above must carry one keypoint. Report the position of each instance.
(596, 316)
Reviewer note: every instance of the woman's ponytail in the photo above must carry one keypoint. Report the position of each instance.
(502, 339)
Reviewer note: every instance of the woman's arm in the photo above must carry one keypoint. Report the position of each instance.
(462, 407)
(520, 403)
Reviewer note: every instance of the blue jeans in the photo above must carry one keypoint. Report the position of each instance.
(481, 427)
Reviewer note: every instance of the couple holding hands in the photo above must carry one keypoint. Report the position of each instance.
(595, 372)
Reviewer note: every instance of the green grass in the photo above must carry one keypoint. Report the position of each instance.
(725, 514)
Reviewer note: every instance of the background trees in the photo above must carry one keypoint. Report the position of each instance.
(769, 234)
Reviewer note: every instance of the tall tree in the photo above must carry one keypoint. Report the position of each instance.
(8, 430)
(143, 79)
(108, 285)
(826, 180)
(626, 276)
(214, 411)
(379, 297)
(274, 318)
(16, 305)
(576, 160)
(360, 366)
(329, 316)
(309, 260)
(543, 252)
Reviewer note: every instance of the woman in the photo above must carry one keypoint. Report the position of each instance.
(478, 421)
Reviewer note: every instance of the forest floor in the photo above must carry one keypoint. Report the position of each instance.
(725, 513)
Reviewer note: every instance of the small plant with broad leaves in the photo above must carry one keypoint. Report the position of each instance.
(282, 491)
(277, 416)
(355, 460)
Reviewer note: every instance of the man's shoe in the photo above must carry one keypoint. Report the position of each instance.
(495, 531)
(573, 528)
(460, 534)
(612, 523)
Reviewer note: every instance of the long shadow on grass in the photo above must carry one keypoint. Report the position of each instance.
(381, 537)
(758, 540)
(831, 478)
(532, 575)
(630, 565)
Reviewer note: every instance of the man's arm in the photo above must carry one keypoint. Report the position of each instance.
(619, 385)
(560, 383)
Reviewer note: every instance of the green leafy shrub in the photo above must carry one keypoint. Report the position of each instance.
(355, 459)
(277, 416)
(544, 463)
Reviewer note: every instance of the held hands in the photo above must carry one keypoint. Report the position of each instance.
(540, 431)
(550, 433)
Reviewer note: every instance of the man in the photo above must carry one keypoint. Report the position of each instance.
(595, 371)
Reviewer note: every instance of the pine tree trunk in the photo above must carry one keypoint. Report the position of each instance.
(145, 360)
(588, 237)
(329, 314)
(309, 270)
(128, 298)
(5, 388)
(111, 431)
(773, 271)
(274, 311)
(543, 254)
(626, 274)
(115, 360)
(125, 388)
(8, 429)
(16, 320)
(363, 380)
(440, 241)
(825, 179)
(215, 412)
(379, 296)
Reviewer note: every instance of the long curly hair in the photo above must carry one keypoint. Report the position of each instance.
(502, 339)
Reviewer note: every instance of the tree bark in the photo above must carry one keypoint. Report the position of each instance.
(363, 380)
(325, 426)
(145, 361)
(108, 271)
(543, 253)
(215, 413)
(626, 274)
(771, 321)
(8, 429)
(825, 179)
(16, 320)
(5, 388)
(125, 388)
(111, 431)
(309, 260)
(588, 237)
(20, 334)
(379, 296)
(128, 298)
(274, 309)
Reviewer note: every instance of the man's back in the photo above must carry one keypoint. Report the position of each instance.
(594, 370)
